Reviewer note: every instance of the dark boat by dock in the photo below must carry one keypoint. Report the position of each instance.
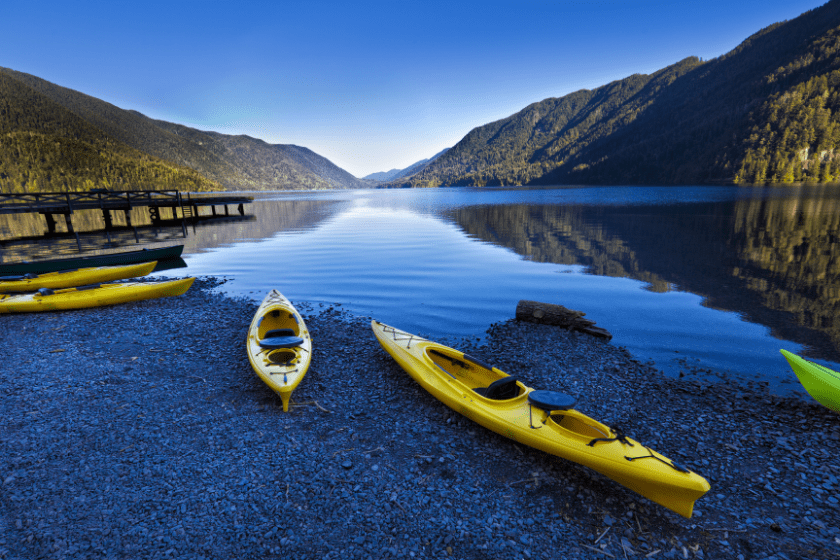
(161, 254)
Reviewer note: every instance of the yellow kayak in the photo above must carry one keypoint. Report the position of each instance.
(95, 295)
(72, 278)
(544, 420)
(279, 345)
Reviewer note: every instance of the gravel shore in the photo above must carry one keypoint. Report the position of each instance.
(140, 431)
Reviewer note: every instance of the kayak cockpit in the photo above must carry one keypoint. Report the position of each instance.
(580, 425)
(500, 390)
(484, 379)
(559, 410)
(278, 323)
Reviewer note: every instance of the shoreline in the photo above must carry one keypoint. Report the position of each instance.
(141, 430)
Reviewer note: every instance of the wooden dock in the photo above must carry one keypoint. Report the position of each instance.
(52, 204)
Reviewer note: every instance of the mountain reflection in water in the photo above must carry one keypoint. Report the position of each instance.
(774, 261)
(717, 278)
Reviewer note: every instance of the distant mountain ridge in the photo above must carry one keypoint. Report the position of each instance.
(380, 176)
(766, 112)
(214, 160)
(385, 176)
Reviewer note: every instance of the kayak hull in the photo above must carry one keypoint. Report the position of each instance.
(822, 384)
(101, 295)
(283, 364)
(109, 259)
(79, 277)
(453, 378)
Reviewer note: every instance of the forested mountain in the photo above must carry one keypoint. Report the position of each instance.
(766, 112)
(44, 146)
(55, 138)
(385, 176)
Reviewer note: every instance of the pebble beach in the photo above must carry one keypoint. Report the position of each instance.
(141, 431)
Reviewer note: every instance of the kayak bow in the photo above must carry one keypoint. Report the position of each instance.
(821, 383)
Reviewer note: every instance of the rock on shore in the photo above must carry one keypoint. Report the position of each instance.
(140, 431)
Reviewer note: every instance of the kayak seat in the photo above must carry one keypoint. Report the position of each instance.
(279, 332)
(501, 389)
(275, 342)
(551, 400)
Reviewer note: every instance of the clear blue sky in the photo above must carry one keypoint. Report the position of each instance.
(369, 85)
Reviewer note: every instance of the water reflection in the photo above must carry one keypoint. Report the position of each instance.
(22, 236)
(452, 261)
(269, 218)
(773, 260)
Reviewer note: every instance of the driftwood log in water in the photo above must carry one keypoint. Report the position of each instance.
(552, 314)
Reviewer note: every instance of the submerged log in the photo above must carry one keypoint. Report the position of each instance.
(552, 314)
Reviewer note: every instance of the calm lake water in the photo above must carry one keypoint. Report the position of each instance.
(712, 277)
